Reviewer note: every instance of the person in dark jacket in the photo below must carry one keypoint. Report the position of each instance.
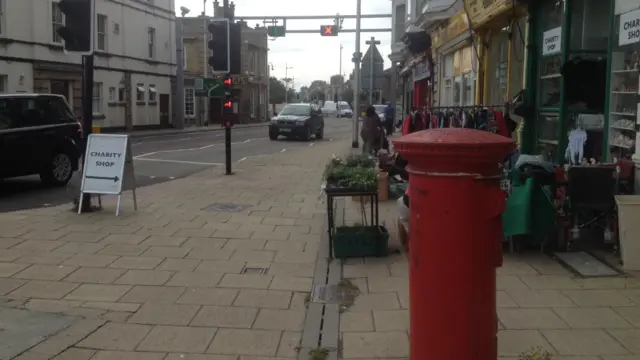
(371, 128)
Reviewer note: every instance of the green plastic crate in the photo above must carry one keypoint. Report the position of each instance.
(360, 241)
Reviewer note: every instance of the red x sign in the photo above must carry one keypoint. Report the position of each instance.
(328, 30)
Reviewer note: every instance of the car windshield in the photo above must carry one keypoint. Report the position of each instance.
(345, 107)
(379, 108)
(295, 110)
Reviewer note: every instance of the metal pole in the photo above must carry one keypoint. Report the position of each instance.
(87, 115)
(178, 122)
(356, 80)
(227, 130)
(205, 65)
(394, 88)
(371, 71)
(340, 78)
(286, 83)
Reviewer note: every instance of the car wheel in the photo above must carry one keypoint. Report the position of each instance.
(59, 170)
(320, 133)
(273, 135)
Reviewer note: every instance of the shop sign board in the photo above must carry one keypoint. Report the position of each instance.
(456, 25)
(552, 41)
(629, 28)
(108, 166)
(421, 70)
(481, 11)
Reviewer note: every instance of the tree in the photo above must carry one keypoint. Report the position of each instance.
(276, 91)
(292, 96)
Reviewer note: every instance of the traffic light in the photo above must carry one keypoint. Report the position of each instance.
(328, 30)
(219, 45)
(77, 31)
(227, 102)
(276, 31)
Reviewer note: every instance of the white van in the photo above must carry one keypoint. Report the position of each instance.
(344, 109)
(330, 108)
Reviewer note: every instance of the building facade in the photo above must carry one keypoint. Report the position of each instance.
(252, 85)
(135, 59)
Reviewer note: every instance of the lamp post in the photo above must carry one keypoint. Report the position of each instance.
(269, 110)
(286, 82)
(178, 122)
(205, 40)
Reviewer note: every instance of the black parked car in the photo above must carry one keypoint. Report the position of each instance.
(39, 135)
(298, 120)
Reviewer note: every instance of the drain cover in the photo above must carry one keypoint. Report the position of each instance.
(328, 294)
(255, 271)
(226, 207)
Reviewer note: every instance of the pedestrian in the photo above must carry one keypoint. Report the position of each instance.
(389, 116)
(371, 128)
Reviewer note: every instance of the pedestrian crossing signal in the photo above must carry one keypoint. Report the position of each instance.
(228, 104)
(227, 81)
(328, 30)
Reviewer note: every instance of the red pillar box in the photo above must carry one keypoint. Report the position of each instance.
(456, 241)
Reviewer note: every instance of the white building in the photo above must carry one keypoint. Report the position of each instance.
(134, 63)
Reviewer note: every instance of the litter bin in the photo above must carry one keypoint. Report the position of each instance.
(455, 225)
(629, 230)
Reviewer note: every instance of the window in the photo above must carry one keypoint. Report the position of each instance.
(57, 21)
(152, 43)
(447, 81)
(189, 102)
(112, 94)
(152, 93)
(3, 83)
(121, 94)
(140, 92)
(97, 98)
(101, 32)
(468, 88)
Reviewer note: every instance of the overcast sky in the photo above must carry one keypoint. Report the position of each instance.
(311, 56)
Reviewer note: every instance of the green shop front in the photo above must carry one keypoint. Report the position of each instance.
(582, 72)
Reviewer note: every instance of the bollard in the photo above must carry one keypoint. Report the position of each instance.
(455, 240)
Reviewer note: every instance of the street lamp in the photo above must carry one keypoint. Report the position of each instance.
(286, 82)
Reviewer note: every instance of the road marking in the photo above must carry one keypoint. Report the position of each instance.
(243, 159)
(283, 150)
(182, 162)
(310, 145)
(194, 149)
(152, 177)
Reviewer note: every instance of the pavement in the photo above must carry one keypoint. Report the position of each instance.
(539, 304)
(161, 157)
(215, 267)
(209, 265)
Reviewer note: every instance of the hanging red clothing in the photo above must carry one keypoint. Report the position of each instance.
(501, 124)
(406, 125)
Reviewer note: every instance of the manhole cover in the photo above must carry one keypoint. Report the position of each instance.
(255, 271)
(328, 294)
(226, 207)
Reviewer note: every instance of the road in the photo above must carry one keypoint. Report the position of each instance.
(164, 158)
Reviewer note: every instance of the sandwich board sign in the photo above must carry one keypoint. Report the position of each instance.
(108, 168)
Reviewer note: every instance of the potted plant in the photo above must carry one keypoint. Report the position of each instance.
(353, 174)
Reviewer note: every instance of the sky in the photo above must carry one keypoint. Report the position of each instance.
(310, 57)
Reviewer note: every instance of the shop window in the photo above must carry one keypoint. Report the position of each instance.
(189, 102)
(590, 24)
(457, 91)
(468, 88)
(498, 71)
(624, 101)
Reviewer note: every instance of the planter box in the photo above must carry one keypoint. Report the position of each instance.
(360, 241)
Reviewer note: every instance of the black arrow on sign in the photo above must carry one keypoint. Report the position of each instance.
(115, 178)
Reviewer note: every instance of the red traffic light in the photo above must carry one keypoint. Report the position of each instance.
(328, 30)
(227, 123)
(228, 104)
(227, 81)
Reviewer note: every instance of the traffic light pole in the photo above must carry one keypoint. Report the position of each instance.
(87, 115)
(227, 122)
(356, 76)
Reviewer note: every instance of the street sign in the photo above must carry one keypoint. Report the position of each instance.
(108, 167)
(211, 87)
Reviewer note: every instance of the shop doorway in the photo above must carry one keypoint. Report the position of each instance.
(164, 110)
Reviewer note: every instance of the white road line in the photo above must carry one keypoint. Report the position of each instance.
(194, 149)
(182, 162)
(243, 159)
(283, 150)
(310, 145)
